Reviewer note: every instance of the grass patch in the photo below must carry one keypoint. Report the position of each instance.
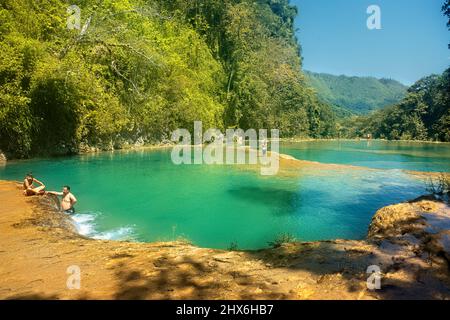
(282, 239)
(233, 246)
(439, 186)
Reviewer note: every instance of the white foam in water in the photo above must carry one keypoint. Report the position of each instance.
(86, 226)
(85, 223)
(124, 233)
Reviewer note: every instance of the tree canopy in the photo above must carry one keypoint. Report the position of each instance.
(136, 70)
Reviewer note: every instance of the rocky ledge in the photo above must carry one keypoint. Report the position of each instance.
(407, 242)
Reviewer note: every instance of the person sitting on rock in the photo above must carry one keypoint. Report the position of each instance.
(29, 189)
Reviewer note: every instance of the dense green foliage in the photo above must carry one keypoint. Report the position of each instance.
(136, 70)
(446, 11)
(424, 114)
(357, 95)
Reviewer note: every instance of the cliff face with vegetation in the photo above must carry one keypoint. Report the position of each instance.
(135, 70)
(356, 95)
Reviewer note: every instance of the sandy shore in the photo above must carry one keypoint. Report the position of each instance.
(38, 245)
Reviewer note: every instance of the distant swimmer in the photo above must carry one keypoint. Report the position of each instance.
(264, 147)
(68, 199)
(29, 189)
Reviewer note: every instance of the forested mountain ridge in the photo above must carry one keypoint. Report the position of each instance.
(137, 70)
(359, 95)
(424, 114)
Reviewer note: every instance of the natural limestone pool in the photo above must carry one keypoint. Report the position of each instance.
(141, 195)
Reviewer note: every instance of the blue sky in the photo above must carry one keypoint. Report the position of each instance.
(411, 44)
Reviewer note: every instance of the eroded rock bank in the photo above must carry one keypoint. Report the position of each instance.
(408, 241)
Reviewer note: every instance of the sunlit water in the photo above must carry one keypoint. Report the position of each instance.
(143, 196)
(414, 156)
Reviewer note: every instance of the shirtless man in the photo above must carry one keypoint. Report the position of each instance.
(29, 189)
(68, 199)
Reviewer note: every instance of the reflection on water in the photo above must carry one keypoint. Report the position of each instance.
(141, 195)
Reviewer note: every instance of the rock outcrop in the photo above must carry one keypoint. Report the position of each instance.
(400, 219)
(418, 233)
(425, 220)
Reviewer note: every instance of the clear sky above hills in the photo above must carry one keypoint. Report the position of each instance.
(411, 44)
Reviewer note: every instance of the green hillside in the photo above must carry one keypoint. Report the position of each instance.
(424, 114)
(135, 70)
(359, 95)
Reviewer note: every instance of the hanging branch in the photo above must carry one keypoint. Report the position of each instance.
(114, 67)
(142, 11)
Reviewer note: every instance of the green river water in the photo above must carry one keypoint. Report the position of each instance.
(143, 196)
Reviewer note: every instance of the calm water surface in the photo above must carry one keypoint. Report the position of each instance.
(141, 195)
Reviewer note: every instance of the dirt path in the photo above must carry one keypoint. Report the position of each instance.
(38, 245)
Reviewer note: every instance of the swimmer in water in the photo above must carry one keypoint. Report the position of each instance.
(68, 200)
